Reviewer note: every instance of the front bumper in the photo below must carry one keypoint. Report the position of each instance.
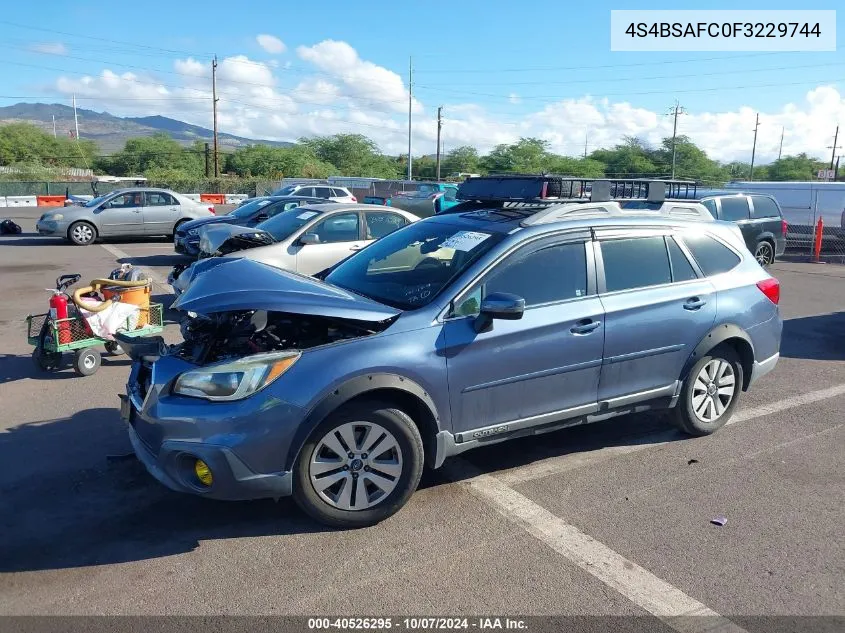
(186, 245)
(243, 443)
(47, 227)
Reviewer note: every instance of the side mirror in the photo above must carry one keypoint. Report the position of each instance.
(261, 217)
(309, 238)
(499, 305)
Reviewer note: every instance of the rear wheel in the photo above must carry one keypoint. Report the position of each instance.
(81, 233)
(764, 253)
(710, 393)
(176, 227)
(360, 465)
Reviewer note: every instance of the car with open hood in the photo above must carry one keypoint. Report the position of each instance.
(506, 316)
(186, 239)
(307, 239)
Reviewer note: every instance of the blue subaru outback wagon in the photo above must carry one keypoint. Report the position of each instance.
(515, 312)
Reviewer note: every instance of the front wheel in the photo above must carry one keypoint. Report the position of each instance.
(710, 392)
(86, 361)
(359, 466)
(81, 233)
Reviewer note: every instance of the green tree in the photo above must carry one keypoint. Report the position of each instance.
(630, 159)
(800, 167)
(425, 167)
(462, 159)
(527, 155)
(578, 167)
(352, 155)
(27, 143)
(157, 152)
(691, 162)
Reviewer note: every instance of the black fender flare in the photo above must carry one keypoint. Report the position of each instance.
(348, 390)
(719, 334)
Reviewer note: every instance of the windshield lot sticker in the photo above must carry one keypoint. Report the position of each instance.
(306, 215)
(464, 240)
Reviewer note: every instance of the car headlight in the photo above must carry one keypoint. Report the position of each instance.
(235, 380)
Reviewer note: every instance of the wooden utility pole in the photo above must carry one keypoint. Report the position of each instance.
(674, 112)
(834, 147)
(207, 152)
(214, 98)
(586, 138)
(410, 103)
(780, 151)
(439, 125)
(754, 148)
(76, 119)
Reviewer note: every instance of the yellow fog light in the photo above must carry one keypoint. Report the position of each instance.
(203, 472)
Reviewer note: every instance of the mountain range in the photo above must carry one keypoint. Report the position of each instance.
(110, 132)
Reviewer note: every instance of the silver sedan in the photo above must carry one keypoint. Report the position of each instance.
(123, 213)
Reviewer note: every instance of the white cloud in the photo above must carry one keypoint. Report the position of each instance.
(271, 44)
(51, 48)
(348, 94)
(374, 86)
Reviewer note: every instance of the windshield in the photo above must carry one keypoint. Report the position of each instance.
(248, 208)
(285, 191)
(283, 225)
(409, 267)
(94, 202)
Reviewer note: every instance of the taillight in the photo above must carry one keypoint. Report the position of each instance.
(211, 209)
(784, 227)
(771, 288)
(354, 199)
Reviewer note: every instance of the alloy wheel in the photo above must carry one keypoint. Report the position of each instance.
(763, 254)
(713, 390)
(356, 465)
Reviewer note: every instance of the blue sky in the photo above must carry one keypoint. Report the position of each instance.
(500, 70)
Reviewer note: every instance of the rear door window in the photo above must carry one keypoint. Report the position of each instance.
(380, 223)
(764, 207)
(342, 227)
(159, 199)
(323, 192)
(734, 208)
(306, 191)
(712, 256)
(635, 263)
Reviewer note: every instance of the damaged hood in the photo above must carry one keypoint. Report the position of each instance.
(244, 284)
(228, 238)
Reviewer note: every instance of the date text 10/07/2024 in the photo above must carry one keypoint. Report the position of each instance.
(421, 623)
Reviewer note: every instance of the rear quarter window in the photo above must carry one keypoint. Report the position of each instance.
(764, 207)
(712, 256)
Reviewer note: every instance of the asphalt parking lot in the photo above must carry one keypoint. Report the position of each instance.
(608, 519)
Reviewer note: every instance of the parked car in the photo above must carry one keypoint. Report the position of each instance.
(429, 199)
(254, 211)
(306, 240)
(123, 213)
(330, 193)
(802, 204)
(467, 328)
(759, 218)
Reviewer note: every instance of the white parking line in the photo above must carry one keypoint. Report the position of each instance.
(119, 254)
(571, 461)
(640, 586)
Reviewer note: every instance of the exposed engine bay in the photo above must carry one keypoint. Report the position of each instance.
(208, 339)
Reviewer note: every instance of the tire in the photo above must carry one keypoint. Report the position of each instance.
(385, 480)
(697, 412)
(82, 233)
(765, 253)
(176, 227)
(86, 361)
(43, 358)
(113, 348)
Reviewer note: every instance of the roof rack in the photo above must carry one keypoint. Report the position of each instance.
(556, 189)
(611, 208)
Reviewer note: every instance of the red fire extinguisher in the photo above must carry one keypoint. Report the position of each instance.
(58, 310)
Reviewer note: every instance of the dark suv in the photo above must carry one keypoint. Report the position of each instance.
(758, 217)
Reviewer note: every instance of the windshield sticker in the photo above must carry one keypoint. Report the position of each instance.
(262, 203)
(464, 240)
(306, 215)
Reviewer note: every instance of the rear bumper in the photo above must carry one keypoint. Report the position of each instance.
(762, 368)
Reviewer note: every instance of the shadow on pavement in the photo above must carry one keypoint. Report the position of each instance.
(819, 337)
(169, 259)
(15, 367)
(64, 504)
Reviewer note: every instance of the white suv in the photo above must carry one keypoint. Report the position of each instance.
(327, 192)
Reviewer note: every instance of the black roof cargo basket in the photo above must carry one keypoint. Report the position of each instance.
(551, 188)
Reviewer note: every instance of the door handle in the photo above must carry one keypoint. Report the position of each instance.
(355, 247)
(584, 326)
(694, 303)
